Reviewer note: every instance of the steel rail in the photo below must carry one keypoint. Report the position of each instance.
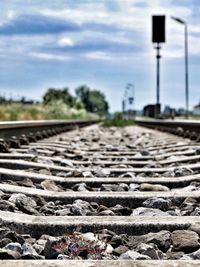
(16, 133)
(188, 129)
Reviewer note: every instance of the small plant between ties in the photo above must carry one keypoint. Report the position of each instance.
(76, 247)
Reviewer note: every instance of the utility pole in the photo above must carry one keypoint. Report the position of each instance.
(186, 66)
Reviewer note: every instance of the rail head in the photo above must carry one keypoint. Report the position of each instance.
(168, 122)
(186, 128)
(39, 123)
(14, 132)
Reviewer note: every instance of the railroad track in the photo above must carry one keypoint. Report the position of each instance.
(126, 197)
(188, 129)
(14, 134)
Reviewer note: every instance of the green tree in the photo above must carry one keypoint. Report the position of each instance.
(53, 94)
(82, 93)
(93, 100)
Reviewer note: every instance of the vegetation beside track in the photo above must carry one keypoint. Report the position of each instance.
(118, 121)
(54, 110)
(57, 104)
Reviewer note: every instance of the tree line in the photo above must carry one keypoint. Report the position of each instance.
(93, 101)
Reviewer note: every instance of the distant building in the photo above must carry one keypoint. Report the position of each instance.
(139, 113)
(196, 110)
(151, 110)
(169, 112)
(180, 112)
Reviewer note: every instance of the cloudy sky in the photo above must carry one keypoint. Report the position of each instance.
(102, 43)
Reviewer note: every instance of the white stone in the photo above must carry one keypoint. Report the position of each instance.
(22, 199)
(109, 249)
(195, 255)
(141, 211)
(133, 187)
(185, 258)
(62, 257)
(87, 174)
(45, 161)
(89, 236)
(100, 172)
(187, 188)
(133, 255)
(14, 246)
(28, 249)
(67, 162)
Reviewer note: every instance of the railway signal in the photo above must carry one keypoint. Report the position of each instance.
(158, 37)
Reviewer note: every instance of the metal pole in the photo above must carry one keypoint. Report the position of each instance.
(157, 106)
(123, 106)
(186, 73)
(134, 101)
(158, 74)
(125, 102)
(186, 67)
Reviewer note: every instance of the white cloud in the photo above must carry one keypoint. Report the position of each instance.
(128, 17)
(129, 14)
(46, 56)
(98, 56)
(11, 14)
(65, 41)
(194, 29)
(194, 45)
(131, 17)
